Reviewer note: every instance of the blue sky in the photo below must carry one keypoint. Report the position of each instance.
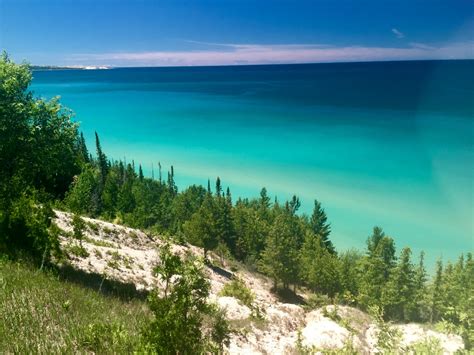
(207, 32)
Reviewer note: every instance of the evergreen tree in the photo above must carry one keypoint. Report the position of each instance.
(125, 199)
(82, 148)
(101, 159)
(293, 205)
(264, 205)
(350, 277)
(218, 187)
(436, 293)
(224, 224)
(400, 291)
(375, 268)
(171, 183)
(110, 194)
(320, 226)
(186, 204)
(280, 257)
(251, 232)
(140, 172)
(81, 196)
(318, 268)
(201, 229)
(421, 292)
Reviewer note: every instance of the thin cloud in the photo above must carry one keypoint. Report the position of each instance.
(397, 33)
(235, 54)
(421, 46)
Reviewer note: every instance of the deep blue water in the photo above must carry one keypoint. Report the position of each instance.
(387, 144)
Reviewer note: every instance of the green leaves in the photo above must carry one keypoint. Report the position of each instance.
(184, 322)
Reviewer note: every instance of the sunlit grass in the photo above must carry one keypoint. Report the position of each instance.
(41, 314)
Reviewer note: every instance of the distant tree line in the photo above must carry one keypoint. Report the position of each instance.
(44, 161)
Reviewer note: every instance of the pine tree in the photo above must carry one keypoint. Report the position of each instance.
(319, 269)
(224, 222)
(201, 229)
(375, 268)
(102, 159)
(400, 291)
(293, 205)
(82, 147)
(218, 187)
(280, 257)
(264, 205)
(321, 227)
(436, 293)
(171, 183)
(421, 292)
(140, 173)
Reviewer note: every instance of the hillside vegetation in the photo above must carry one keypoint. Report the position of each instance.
(46, 163)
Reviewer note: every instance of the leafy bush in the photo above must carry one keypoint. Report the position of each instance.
(184, 322)
(237, 288)
(315, 301)
(26, 228)
(78, 250)
(388, 338)
(428, 345)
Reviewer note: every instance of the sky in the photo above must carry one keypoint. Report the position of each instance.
(228, 32)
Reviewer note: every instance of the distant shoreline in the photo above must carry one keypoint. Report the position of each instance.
(53, 67)
(381, 62)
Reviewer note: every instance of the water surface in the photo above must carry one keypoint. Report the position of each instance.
(387, 144)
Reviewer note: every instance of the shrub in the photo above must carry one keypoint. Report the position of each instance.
(315, 301)
(428, 345)
(184, 322)
(26, 228)
(237, 288)
(78, 250)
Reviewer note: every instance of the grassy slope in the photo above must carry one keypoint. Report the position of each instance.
(41, 314)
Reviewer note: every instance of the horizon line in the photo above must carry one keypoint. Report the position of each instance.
(101, 67)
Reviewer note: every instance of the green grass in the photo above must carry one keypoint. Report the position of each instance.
(41, 314)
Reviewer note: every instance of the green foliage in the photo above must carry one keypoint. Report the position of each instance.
(375, 268)
(399, 295)
(319, 267)
(42, 314)
(78, 226)
(202, 228)
(315, 301)
(77, 250)
(184, 322)
(428, 345)
(38, 152)
(280, 257)
(237, 289)
(320, 227)
(388, 338)
(26, 229)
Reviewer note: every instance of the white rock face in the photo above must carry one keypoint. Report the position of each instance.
(127, 255)
(325, 334)
(414, 333)
(234, 310)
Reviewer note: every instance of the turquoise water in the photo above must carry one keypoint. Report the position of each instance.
(387, 144)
